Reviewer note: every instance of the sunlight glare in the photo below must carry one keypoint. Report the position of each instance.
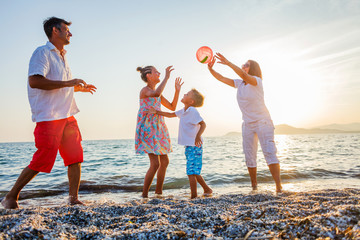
(292, 89)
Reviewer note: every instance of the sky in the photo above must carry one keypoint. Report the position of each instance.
(308, 51)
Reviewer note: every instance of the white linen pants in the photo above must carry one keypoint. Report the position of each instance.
(262, 131)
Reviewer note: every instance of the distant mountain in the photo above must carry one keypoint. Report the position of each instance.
(286, 129)
(342, 127)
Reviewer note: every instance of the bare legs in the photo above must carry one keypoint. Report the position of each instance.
(11, 199)
(74, 174)
(158, 163)
(275, 172)
(253, 178)
(194, 179)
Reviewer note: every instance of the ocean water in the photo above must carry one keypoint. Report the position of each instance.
(112, 171)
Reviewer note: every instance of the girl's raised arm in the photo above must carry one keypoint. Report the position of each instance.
(172, 106)
(147, 92)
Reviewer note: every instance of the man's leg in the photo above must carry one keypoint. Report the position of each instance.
(11, 199)
(72, 153)
(43, 160)
(74, 174)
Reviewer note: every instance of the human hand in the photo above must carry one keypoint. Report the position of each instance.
(168, 70)
(222, 59)
(87, 88)
(151, 110)
(76, 82)
(178, 83)
(198, 141)
(211, 63)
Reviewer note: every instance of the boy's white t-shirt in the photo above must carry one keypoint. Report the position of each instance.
(251, 100)
(188, 125)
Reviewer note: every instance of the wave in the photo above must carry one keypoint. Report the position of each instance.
(121, 184)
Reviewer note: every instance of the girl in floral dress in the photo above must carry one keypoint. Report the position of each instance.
(152, 136)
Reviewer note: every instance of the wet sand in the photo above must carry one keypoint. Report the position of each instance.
(332, 214)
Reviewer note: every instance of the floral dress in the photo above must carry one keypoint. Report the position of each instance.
(152, 135)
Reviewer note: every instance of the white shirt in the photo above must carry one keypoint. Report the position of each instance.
(251, 101)
(188, 125)
(49, 105)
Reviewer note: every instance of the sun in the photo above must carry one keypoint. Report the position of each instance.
(293, 95)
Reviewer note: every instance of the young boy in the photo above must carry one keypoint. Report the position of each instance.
(191, 127)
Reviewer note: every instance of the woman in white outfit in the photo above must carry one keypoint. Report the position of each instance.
(257, 124)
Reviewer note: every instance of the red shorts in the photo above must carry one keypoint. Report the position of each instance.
(51, 136)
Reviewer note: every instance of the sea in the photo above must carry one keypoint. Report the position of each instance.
(112, 171)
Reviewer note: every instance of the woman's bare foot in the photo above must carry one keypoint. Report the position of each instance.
(9, 203)
(75, 201)
(160, 196)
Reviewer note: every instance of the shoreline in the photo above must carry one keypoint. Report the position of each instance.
(328, 213)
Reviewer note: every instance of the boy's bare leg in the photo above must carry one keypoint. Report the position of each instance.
(253, 178)
(201, 181)
(74, 175)
(275, 172)
(11, 199)
(150, 174)
(164, 162)
(193, 185)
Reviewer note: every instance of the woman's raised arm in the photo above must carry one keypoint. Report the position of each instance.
(218, 76)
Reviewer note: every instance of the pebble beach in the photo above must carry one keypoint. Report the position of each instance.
(322, 214)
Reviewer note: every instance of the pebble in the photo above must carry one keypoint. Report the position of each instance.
(324, 214)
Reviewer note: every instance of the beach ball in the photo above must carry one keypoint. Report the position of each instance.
(204, 54)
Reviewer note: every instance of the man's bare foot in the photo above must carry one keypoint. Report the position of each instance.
(10, 203)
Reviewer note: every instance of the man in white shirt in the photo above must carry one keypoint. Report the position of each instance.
(51, 95)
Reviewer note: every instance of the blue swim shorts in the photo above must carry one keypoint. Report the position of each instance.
(194, 160)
